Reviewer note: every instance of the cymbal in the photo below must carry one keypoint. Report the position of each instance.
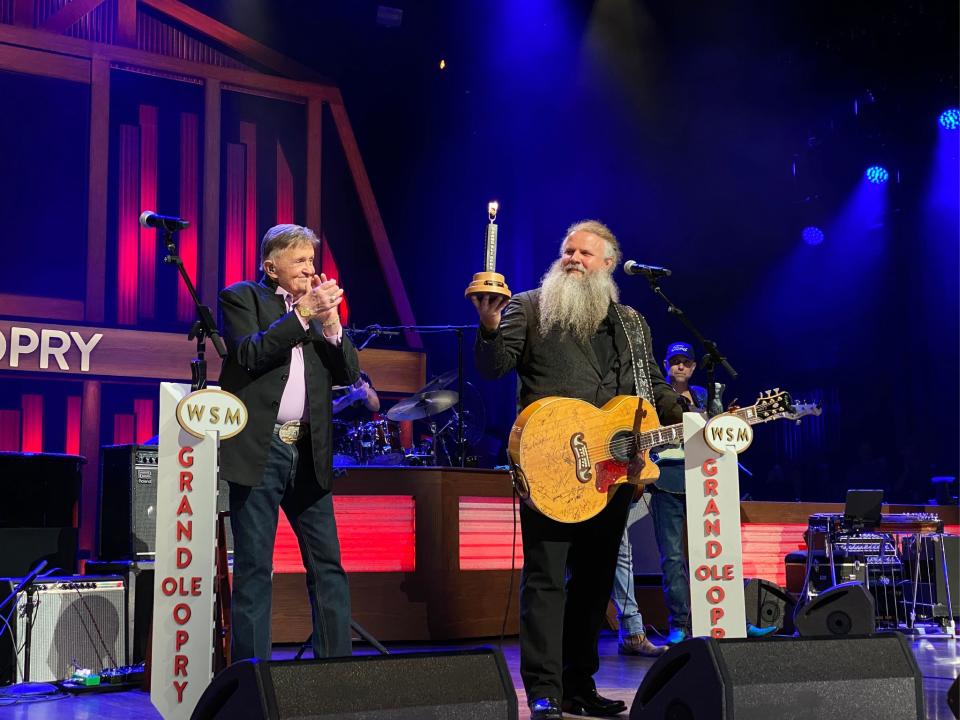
(439, 382)
(423, 405)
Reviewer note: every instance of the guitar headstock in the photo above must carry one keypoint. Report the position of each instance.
(773, 404)
(799, 410)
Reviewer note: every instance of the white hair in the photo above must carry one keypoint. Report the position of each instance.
(595, 227)
(576, 303)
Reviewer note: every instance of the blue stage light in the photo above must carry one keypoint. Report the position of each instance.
(950, 119)
(812, 235)
(877, 174)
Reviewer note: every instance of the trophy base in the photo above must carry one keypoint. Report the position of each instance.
(487, 283)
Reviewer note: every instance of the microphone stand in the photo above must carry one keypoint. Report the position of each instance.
(203, 327)
(27, 585)
(372, 331)
(458, 329)
(712, 358)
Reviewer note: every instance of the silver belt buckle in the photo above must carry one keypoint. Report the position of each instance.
(290, 431)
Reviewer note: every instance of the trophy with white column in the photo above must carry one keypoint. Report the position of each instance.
(489, 281)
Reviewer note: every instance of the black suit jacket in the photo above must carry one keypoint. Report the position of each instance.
(260, 335)
(556, 365)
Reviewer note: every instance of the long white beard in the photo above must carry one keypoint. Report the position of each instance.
(575, 302)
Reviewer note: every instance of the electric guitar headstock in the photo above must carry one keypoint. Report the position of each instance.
(800, 410)
(777, 403)
(772, 404)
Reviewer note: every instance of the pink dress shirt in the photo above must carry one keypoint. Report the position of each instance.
(293, 402)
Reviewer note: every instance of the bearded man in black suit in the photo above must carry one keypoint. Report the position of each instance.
(286, 350)
(571, 338)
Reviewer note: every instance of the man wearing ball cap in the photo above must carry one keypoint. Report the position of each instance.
(668, 508)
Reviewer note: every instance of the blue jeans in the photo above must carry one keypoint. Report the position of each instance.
(669, 512)
(254, 511)
(628, 612)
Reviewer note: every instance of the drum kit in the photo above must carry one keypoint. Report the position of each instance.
(378, 443)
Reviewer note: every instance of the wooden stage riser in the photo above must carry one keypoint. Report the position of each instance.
(397, 606)
(427, 551)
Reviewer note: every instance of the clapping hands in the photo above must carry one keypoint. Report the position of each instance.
(322, 300)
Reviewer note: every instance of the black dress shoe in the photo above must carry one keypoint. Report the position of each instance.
(591, 703)
(546, 708)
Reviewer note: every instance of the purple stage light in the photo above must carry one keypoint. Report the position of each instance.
(950, 119)
(877, 174)
(812, 235)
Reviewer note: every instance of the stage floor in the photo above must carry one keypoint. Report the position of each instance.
(937, 656)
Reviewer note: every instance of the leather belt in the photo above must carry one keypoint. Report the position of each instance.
(291, 431)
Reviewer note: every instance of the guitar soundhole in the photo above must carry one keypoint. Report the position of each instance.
(622, 446)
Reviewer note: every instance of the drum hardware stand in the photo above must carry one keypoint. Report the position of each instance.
(458, 329)
(434, 442)
(440, 439)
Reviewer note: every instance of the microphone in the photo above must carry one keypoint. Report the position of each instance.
(651, 271)
(150, 219)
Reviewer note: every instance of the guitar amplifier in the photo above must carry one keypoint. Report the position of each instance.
(127, 503)
(77, 620)
(138, 577)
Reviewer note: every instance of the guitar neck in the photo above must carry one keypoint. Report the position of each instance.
(672, 434)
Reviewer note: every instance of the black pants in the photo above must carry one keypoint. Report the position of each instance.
(564, 589)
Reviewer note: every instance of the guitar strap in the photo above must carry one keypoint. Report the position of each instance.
(637, 344)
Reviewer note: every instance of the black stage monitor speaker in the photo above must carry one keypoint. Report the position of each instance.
(127, 513)
(468, 685)
(769, 605)
(844, 609)
(853, 678)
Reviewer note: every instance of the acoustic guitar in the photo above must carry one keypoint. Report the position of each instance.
(567, 455)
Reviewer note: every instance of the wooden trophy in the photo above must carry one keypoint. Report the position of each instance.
(489, 281)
